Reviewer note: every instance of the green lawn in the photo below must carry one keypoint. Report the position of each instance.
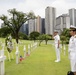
(40, 62)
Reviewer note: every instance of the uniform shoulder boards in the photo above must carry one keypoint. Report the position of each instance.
(75, 36)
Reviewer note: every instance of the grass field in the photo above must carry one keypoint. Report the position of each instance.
(40, 62)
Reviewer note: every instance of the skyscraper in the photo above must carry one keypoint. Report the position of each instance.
(24, 28)
(62, 21)
(50, 20)
(31, 25)
(72, 14)
(43, 26)
(38, 26)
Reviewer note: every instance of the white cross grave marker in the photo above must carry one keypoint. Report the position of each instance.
(2, 58)
(24, 51)
(17, 55)
(64, 50)
(28, 49)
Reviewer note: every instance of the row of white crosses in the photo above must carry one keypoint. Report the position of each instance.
(64, 50)
(2, 58)
(24, 49)
(64, 47)
(34, 45)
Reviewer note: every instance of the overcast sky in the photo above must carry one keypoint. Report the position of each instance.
(37, 6)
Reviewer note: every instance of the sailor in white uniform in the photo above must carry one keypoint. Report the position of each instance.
(57, 43)
(72, 49)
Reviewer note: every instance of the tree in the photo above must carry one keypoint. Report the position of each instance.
(4, 31)
(40, 38)
(34, 35)
(44, 37)
(23, 36)
(65, 36)
(16, 20)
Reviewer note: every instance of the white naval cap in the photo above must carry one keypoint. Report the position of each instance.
(72, 27)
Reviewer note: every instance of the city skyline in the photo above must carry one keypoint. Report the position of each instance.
(52, 22)
(37, 6)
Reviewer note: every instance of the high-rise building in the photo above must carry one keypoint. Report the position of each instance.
(31, 25)
(38, 25)
(24, 29)
(35, 25)
(62, 21)
(72, 14)
(43, 26)
(50, 20)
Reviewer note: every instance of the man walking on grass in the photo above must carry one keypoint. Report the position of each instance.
(72, 50)
(57, 43)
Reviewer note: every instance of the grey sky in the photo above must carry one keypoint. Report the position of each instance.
(38, 6)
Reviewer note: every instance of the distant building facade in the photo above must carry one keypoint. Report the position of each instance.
(43, 26)
(24, 29)
(50, 20)
(72, 14)
(62, 22)
(31, 25)
(38, 25)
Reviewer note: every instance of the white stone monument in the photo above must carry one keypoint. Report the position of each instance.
(64, 50)
(17, 55)
(31, 46)
(2, 58)
(28, 49)
(36, 44)
(61, 47)
(24, 51)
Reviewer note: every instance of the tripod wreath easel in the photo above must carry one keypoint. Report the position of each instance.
(9, 46)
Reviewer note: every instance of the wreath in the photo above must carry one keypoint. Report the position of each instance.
(8, 43)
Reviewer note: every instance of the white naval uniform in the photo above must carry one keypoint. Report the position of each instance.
(56, 38)
(72, 53)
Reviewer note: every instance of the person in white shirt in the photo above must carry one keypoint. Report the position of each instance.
(57, 43)
(72, 49)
